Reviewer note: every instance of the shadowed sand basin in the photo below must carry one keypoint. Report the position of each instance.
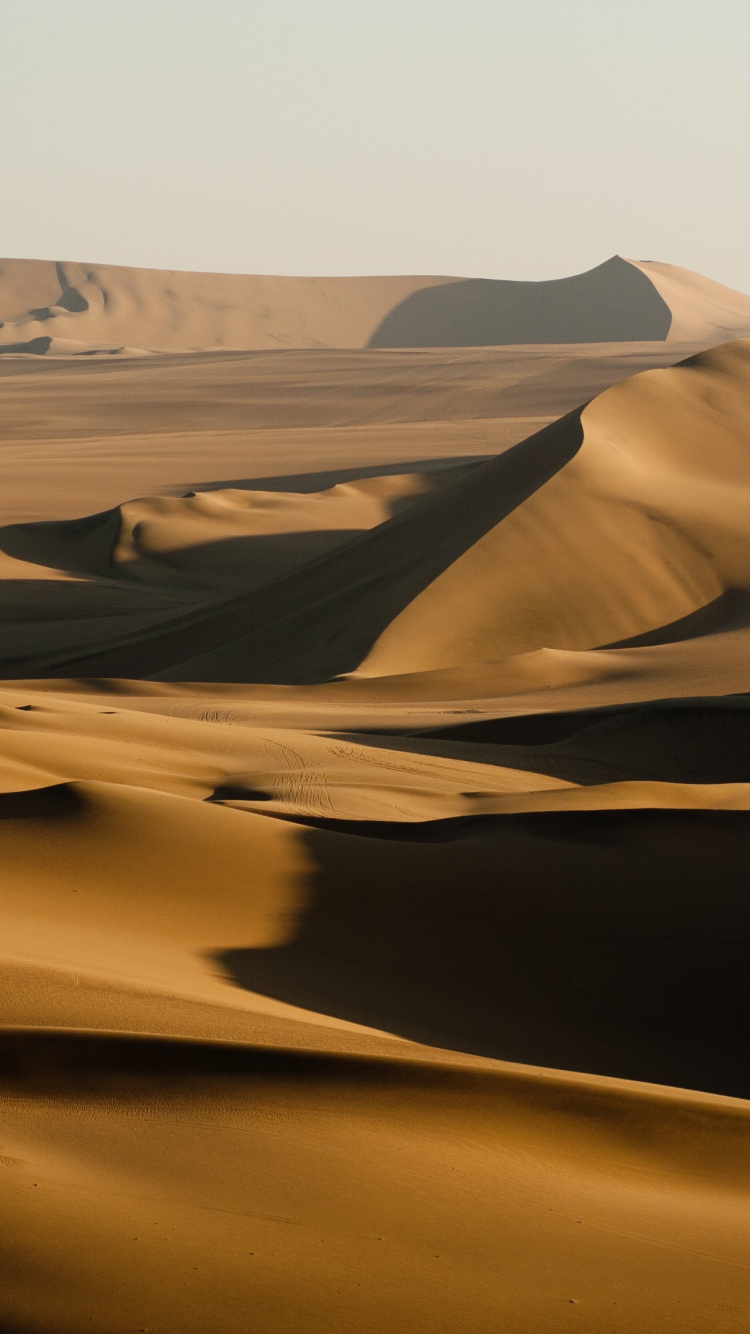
(374, 805)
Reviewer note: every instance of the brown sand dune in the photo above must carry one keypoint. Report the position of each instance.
(221, 537)
(374, 806)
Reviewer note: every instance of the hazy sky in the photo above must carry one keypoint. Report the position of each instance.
(530, 139)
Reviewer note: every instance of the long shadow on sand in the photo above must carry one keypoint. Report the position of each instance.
(612, 942)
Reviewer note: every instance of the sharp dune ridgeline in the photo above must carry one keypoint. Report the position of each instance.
(374, 803)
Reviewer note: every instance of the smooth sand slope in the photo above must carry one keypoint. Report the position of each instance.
(375, 828)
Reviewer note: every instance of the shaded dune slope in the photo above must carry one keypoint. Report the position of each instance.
(643, 980)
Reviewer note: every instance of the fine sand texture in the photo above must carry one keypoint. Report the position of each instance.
(374, 804)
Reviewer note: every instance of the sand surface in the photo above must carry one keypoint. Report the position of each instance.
(374, 804)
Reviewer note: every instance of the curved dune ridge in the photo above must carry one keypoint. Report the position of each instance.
(66, 309)
(375, 806)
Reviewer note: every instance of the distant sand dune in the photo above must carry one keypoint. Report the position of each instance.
(72, 309)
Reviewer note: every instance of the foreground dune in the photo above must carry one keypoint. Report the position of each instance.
(374, 806)
(189, 1183)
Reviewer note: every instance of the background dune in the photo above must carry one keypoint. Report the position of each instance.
(64, 308)
(374, 803)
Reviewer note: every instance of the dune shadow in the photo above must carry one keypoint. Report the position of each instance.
(729, 611)
(25, 601)
(616, 943)
(36, 347)
(58, 801)
(669, 741)
(309, 482)
(251, 561)
(73, 545)
(614, 302)
(127, 1065)
(47, 622)
(216, 566)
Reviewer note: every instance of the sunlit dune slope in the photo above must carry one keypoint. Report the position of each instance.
(68, 308)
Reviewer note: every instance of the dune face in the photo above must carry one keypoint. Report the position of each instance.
(374, 804)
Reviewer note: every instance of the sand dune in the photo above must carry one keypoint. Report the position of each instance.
(67, 309)
(374, 803)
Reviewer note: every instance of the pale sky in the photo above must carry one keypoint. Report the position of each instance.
(484, 138)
